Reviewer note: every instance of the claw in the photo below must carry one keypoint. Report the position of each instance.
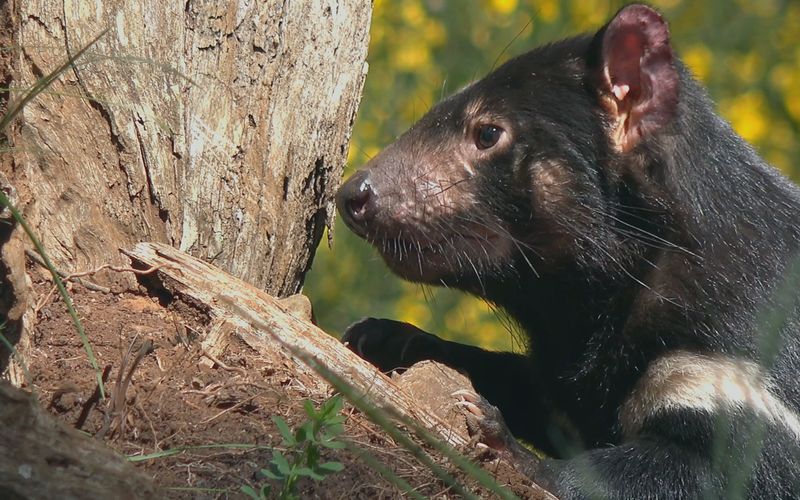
(360, 344)
(468, 395)
(470, 407)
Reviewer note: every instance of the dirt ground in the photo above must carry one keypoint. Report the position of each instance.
(164, 393)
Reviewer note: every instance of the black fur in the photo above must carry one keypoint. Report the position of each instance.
(686, 240)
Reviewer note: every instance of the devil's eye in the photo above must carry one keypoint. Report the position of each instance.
(487, 136)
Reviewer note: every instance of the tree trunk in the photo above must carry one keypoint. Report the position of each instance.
(220, 128)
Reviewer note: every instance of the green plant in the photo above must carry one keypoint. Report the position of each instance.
(303, 450)
(383, 417)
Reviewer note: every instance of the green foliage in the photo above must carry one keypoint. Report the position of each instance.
(746, 51)
(383, 417)
(304, 448)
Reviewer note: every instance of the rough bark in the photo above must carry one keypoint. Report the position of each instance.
(43, 458)
(220, 128)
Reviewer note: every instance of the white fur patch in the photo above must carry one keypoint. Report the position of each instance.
(703, 382)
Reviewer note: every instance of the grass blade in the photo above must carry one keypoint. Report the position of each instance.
(15, 108)
(384, 471)
(182, 449)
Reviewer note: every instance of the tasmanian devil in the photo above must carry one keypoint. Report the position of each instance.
(589, 189)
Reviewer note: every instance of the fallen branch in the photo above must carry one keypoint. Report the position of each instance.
(215, 289)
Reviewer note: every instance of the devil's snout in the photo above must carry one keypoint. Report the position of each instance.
(356, 202)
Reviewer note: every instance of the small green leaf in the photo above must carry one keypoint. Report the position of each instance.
(313, 455)
(307, 472)
(308, 406)
(336, 403)
(329, 468)
(265, 491)
(260, 494)
(301, 435)
(303, 449)
(335, 429)
(250, 492)
(283, 428)
(280, 463)
(332, 444)
(334, 420)
(272, 474)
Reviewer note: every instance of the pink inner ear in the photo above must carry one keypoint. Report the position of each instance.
(627, 50)
(639, 71)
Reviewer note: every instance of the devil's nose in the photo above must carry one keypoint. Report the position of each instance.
(356, 202)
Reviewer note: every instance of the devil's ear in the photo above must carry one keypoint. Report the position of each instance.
(638, 81)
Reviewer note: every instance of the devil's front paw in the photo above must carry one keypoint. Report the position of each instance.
(493, 439)
(391, 345)
(485, 424)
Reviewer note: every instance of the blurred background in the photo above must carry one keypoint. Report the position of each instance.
(746, 51)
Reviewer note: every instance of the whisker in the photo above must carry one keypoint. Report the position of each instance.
(646, 233)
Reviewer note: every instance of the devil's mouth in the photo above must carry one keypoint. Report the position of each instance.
(401, 248)
(450, 257)
(435, 261)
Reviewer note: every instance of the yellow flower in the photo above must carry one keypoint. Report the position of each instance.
(548, 10)
(413, 309)
(745, 113)
(589, 15)
(434, 32)
(413, 13)
(503, 6)
(786, 79)
(792, 102)
(412, 57)
(698, 58)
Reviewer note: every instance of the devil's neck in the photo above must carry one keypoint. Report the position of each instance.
(549, 309)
